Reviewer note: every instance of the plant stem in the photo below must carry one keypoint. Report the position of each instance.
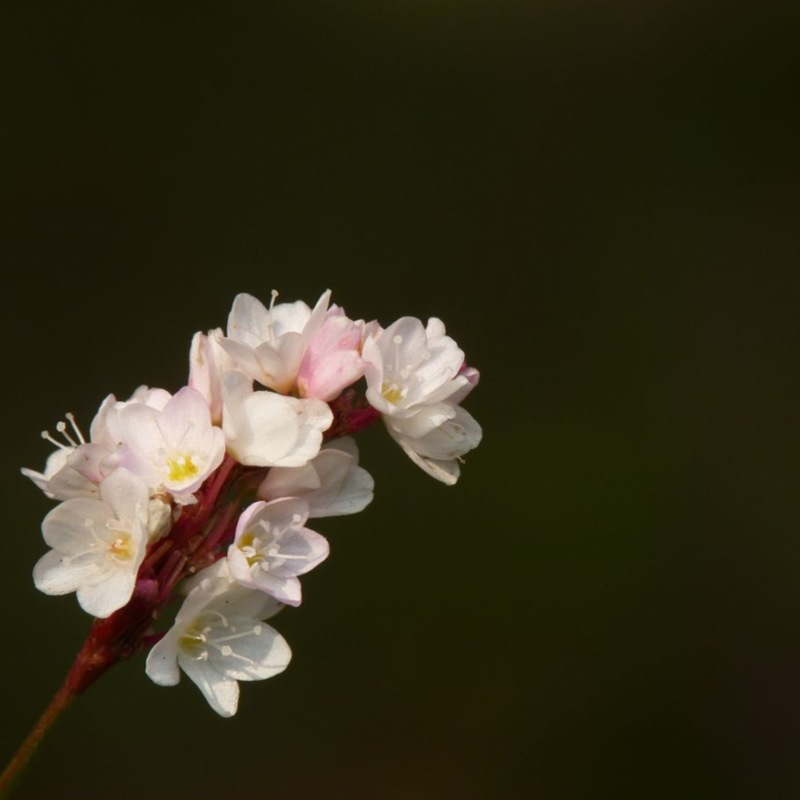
(12, 772)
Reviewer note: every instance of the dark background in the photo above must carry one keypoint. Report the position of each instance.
(599, 199)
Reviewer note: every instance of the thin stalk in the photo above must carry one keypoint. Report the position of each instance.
(62, 698)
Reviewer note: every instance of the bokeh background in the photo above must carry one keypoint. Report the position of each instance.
(600, 201)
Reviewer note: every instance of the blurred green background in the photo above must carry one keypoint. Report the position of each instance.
(600, 201)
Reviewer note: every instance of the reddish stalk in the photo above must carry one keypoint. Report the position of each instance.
(13, 771)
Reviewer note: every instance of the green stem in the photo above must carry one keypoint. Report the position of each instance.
(12, 772)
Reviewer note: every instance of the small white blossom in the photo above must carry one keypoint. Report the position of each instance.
(76, 468)
(266, 429)
(272, 547)
(175, 447)
(408, 366)
(332, 483)
(98, 545)
(268, 344)
(219, 638)
(416, 377)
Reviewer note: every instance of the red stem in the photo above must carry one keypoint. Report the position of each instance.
(22, 757)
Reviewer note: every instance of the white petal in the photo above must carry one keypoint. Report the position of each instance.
(103, 597)
(279, 361)
(453, 439)
(248, 320)
(162, 662)
(445, 471)
(354, 494)
(290, 481)
(306, 548)
(222, 693)
(237, 601)
(286, 590)
(260, 427)
(423, 421)
(255, 656)
(67, 526)
(126, 494)
(267, 429)
(56, 573)
(289, 318)
(185, 421)
(241, 357)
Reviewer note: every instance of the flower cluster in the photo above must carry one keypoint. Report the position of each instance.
(205, 495)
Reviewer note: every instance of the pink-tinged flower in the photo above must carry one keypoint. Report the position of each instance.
(272, 547)
(175, 448)
(76, 467)
(332, 483)
(98, 545)
(208, 361)
(332, 361)
(266, 429)
(268, 344)
(219, 638)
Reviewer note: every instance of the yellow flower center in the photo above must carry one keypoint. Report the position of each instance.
(181, 468)
(121, 547)
(391, 393)
(246, 544)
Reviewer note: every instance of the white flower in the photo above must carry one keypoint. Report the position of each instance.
(272, 547)
(332, 483)
(98, 545)
(76, 467)
(408, 366)
(268, 345)
(219, 638)
(208, 361)
(175, 447)
(416, 377)
(265, 429)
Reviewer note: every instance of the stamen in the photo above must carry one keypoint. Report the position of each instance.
(257, 629)
(60, 445)
(270, 332)
(222, 618)
(274, 552)
(71, 417)
(61, 427)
